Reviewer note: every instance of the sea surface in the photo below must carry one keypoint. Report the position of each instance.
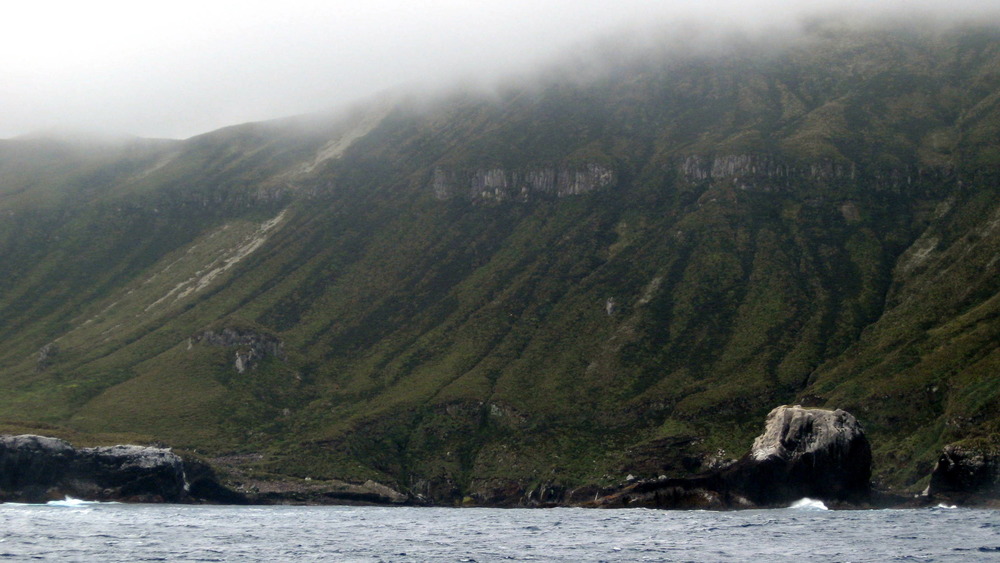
(78, 531)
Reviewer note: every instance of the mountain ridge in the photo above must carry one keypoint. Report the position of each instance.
(556, 285)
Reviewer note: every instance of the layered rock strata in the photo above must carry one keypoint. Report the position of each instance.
(500, 184)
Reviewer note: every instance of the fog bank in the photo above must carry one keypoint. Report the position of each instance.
(181, 68)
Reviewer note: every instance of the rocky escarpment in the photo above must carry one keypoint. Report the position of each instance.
(814, 453)
(760, 166)
(39, 468)
(501, 184)
(250, 347)
(769, 173)
(966, 475)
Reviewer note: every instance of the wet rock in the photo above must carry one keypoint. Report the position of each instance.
(544, 494)
(129, 473)
(203, 485)
(384, 493)
(805, 452)
(966, 475)
(32, 465)
(802, 452)
(39, 468)
(437, 490)
(586, 494)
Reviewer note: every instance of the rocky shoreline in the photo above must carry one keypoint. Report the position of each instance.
(802, 453)
(39, 468)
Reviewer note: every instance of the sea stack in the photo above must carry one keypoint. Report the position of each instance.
(805, 452)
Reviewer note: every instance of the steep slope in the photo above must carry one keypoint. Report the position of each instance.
(551, 285)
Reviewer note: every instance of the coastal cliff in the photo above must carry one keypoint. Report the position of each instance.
(38, 469)
(811, 453)
(525, 297)
(803, 452)
(966, 475)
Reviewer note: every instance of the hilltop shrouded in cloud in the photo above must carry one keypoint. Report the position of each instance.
(181, 68)
(562, 249)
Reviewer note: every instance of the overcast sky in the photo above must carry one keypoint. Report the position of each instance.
(174, 69)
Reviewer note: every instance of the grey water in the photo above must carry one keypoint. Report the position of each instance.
(74, 531)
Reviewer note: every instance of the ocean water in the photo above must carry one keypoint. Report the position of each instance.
(77, 531)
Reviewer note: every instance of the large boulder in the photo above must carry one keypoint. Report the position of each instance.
(130, 472)
(38, 469)
(805, 452)
(31, 465)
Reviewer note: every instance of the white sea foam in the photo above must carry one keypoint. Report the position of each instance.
(70, 501)
(943, 505)
(808, 504)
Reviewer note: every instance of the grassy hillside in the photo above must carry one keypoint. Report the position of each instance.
(556, 284)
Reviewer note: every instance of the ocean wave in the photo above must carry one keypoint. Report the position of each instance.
(70, 501)
(808, 504)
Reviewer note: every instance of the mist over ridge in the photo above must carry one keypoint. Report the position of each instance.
(519, 287)
(130, 74)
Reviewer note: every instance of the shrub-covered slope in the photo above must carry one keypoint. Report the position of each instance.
(549, 285)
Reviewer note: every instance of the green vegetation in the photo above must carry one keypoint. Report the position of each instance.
(817, 224)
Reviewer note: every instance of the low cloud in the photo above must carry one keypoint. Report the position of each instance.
(181, 68)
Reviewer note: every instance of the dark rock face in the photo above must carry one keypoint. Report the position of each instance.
(38, 469)
(31, 465)
(966, 475)
(204, 485)
(806, 453)
(435, 489)
(814, 453)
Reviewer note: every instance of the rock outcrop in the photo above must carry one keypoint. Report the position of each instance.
(762, 169)
(250, 347)
(46, 355)
(769, 173)
(816, 453)
(203, 485)
(803, 452)
(38, 469)
(966, 475)
(500, 184)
